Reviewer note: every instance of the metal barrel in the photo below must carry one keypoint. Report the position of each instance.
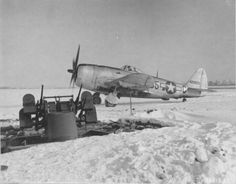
(61, 126)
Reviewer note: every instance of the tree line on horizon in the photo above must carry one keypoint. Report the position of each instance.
(221, 83)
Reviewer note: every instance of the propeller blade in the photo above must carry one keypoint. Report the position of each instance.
(77, 56)
(71, 80)
(73, 64)
(77, 99)
(74, 77)
(74, 81)
(75, 67)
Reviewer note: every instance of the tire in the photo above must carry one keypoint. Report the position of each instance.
(97, 100)
(107, 104)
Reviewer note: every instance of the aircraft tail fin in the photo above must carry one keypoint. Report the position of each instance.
(198, 80)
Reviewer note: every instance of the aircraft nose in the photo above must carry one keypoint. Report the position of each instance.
(79, 80)
(85, 76)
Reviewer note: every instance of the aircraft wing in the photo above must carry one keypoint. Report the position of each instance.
(136, 81)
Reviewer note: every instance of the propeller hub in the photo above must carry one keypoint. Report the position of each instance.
(70, 70)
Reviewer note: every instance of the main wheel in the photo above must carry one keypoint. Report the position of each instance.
(107, 104)
(97, 99)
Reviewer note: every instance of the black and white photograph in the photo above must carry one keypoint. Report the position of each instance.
(117, 91)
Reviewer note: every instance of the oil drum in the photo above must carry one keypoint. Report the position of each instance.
(61, 126)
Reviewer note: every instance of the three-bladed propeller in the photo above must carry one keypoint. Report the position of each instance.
(75, 67)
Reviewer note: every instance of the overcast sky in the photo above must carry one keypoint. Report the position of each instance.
(39, 38)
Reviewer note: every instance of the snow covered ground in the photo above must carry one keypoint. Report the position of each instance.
(198, 146)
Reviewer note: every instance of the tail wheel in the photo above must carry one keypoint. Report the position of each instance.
(118, 95)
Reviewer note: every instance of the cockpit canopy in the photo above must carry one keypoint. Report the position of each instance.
(129, 68)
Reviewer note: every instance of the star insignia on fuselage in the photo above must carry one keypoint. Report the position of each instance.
(170, 87)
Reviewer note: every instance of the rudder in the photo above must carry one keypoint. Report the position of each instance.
(198, 80)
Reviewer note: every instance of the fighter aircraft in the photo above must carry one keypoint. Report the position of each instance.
(129, 81)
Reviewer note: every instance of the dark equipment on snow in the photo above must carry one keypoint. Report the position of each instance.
(60, 118)
(36, 114)
(55, 117)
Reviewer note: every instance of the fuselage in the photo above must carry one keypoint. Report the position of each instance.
(94, 77)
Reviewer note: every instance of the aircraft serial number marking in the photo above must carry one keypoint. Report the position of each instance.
(156, 84)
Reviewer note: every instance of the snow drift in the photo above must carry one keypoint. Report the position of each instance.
(193, 146)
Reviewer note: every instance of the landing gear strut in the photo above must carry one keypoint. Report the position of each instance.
(96, 98)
